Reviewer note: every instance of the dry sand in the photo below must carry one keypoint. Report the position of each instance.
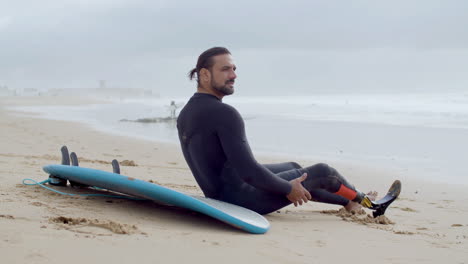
(428, 224)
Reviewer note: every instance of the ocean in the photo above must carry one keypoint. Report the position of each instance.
(423, 134)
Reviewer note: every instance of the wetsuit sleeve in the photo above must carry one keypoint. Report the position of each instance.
(231, 133)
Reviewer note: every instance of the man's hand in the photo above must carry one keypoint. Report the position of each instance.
(298, 193)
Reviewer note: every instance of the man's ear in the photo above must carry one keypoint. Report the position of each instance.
(205, 75)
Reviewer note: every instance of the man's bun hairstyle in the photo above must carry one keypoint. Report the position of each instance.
(205, 60)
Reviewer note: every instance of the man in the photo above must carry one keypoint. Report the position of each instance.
(173, 108)
(214, 144)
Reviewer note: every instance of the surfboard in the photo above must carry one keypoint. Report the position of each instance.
(239, 217)
(231, 214)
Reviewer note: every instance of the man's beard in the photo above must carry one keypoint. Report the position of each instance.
(224, 89)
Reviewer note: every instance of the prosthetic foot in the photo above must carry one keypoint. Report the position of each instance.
(381, 205)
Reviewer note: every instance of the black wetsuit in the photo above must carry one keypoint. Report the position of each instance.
(214, 144)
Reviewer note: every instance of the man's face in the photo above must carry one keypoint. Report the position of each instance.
(223, 74)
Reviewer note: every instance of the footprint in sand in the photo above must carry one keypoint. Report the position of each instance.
(401, 232)
(93, 226)
(130, 163)
(407, 209)
(7, 216)
(37, 204)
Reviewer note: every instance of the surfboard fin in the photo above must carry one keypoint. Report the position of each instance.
(56, 181)
(74, 162)
(115, 166)
(74, 159)
(65, 156)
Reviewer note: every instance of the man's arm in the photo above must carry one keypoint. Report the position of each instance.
(298, 193)
(231, 133)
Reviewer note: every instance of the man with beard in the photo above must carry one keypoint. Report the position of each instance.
(214, 144)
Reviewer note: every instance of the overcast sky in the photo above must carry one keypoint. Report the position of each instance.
(280, 47)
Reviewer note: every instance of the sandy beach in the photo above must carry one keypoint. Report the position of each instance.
(427, 224)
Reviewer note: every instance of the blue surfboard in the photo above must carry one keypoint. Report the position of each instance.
(233, 215)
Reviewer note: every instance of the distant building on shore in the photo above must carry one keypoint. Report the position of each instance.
(105, 93)
(30, 92)
(101, 92)
(4, 91)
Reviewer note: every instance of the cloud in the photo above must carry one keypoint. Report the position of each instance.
(5, 22)
(150, 43)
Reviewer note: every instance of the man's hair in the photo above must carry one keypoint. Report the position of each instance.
(205, 60)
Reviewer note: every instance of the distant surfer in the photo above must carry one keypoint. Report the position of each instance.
(214, 144)
(173, 108)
